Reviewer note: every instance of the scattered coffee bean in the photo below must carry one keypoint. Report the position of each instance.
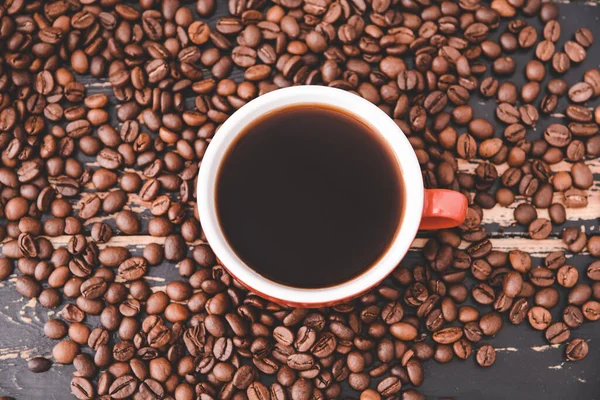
(39, 364)
(577, 349)
(486, 356)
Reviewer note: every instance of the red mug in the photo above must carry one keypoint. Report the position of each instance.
(426, 209)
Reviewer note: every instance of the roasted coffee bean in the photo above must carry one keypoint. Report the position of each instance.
(483, 294)
(575, 51)
(591, 310)
(447, 335)
(463, 349)
(545, 50)
(490, 323)
(567, 276)
(573, 316)
(579, 294)
(577, 349)
(557, 135)
(527, 37)
(403, 331)
(512, 284)
(540, 229)
(123, 387)
(541, 277)
(547, 297)
(486, 356)
(560, 62)
(507, 113)
(539, 318)
(55, 329)
(82, 388)
(519, 311)
(574, 238)
(549, 104)
(39, 364)
(133, 268)
(300, 362)
(525, 214)
(557, 333)
(592, 77)
(65, 352)
(580, 92)
(584, 37)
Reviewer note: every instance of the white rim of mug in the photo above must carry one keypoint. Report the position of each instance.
(361, 109)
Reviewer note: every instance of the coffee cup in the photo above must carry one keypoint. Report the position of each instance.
(425, 209)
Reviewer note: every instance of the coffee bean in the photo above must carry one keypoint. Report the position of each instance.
(567, 276)
(580, 92)
(557, 135)
(447, 335)
(512, 284)
(584, 37)
(576, 349)
(525, 214)
(527, 37)
(560, 62)
(582, 176)
(545, 50)
(64, 352)
(39, 364)
(519, 311)
(540, 229)
(575, 198)
(483, 294)
(573, 316)
(443, 354)
(529, 92)
(557, 333)
(82, 388)
(463, 349)
(507, 113)
(403, 331)
(574, 238)
(257, 391)
(539, 318)
(591, 310)
(575, 51)
(547, 297)
(6, 268)
(123, 387)
(579, 294)
(300, 362)
(549, 104)
(133, 268)
(504, 66)
(490, 323)
(486, 356)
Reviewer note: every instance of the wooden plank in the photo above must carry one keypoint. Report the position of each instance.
(538, 248)
(526, 367)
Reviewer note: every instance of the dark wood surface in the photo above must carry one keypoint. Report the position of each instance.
(526, 367)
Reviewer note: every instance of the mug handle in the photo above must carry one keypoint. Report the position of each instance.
(443, 208)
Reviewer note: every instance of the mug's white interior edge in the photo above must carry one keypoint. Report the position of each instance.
(355, 105)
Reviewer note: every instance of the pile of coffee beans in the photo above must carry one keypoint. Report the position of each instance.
(174, 79)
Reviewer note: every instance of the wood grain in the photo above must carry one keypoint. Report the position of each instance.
(526, 367)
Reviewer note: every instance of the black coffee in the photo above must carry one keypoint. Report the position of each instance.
(309, 196)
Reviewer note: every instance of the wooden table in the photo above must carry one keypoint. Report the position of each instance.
(526, 367)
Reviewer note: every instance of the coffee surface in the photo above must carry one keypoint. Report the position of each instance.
(309, 196)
